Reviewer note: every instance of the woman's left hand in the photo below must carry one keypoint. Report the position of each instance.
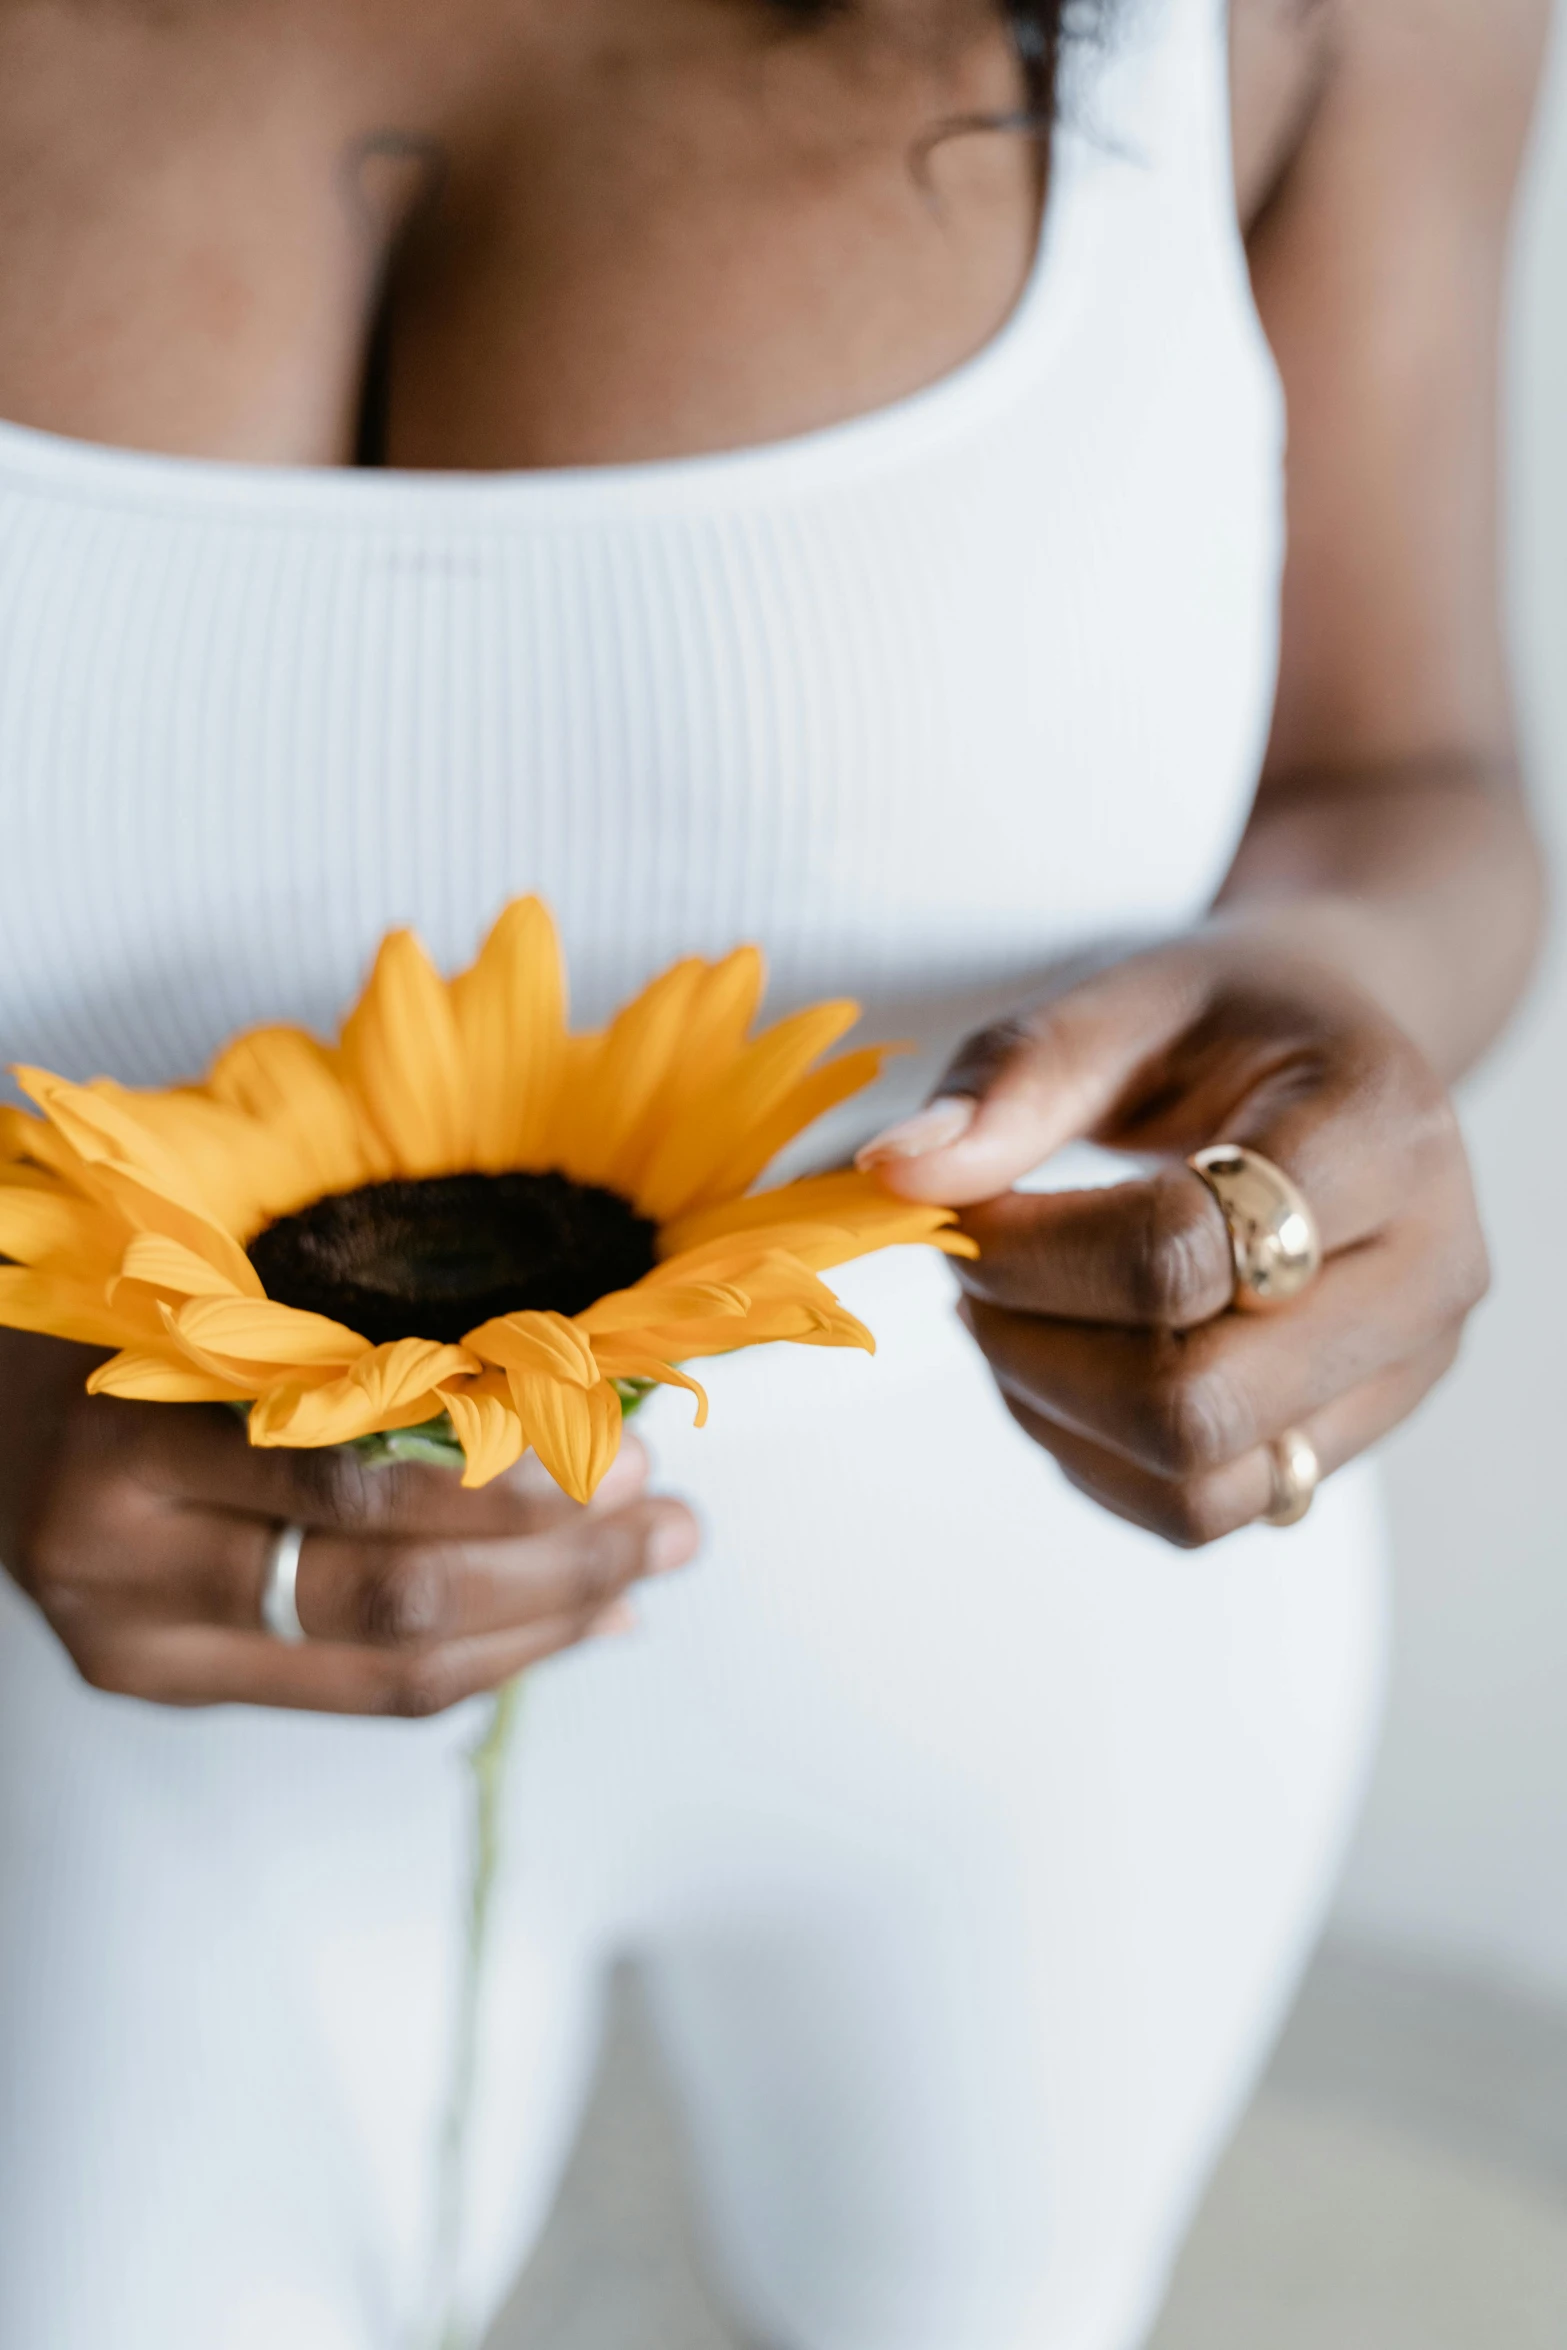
(1104, 1313)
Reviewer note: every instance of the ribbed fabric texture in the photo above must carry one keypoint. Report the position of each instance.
(920, 702)
(970, 1847)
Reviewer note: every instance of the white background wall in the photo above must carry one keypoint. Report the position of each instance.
(1463, 1853)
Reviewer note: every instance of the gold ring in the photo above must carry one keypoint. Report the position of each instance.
(1297, 1472)
(1273, 1234)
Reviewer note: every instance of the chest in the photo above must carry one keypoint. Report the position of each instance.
(503, 234)
(921, 702)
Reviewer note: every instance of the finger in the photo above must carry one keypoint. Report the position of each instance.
(1180, 1403)
(194, 1664)
(199, 1454)
(1018, 1091)
(208, 1567)
(402, 1593)
(1157, 1253)
(1152, 1254)
(1178, 1048)
(1191, 1512)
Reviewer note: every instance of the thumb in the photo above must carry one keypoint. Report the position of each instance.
(1018, 1091)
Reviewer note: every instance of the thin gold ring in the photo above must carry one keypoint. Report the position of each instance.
(1274, 1243)
(1297, 1472)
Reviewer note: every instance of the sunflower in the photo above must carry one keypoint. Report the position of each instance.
(462, 1221)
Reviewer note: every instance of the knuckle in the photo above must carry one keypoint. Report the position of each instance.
(408, 1595)
(1430, 1112)
(45, 1565)
(1472, 1273)
(101, 1666)
(339, 1487)
(1196, 1419)
(64, 1557)
(423, 1686)
(628, 1476)
(605, 1560)
(985, 1053)
(1173, 1266)
(118, 1668)
(1398, 1088)
(1196, 1515)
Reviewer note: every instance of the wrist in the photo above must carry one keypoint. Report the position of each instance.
(1420, 883)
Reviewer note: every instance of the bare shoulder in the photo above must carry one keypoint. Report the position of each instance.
(1407, 73)
(1281, 54)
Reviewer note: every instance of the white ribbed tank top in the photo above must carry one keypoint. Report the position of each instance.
(921, 701)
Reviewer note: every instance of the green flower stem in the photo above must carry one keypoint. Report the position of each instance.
(487, 1760)
(434, 1443)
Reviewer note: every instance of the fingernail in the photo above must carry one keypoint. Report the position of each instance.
(934, 1128)
(617, 1618)
(669, 1546)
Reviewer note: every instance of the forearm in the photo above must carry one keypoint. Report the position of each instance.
(1421, 882)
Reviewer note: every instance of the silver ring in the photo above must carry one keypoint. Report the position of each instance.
(279, 1608)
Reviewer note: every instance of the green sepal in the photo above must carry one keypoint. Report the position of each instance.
(434, 1442)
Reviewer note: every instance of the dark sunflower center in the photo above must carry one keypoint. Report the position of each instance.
(432, 1258)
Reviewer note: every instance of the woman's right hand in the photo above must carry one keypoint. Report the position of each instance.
(143, 1532)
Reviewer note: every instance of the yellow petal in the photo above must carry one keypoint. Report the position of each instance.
(145, 1209)
(28, 1141)
(545, 1346)
(717, 1126)
(630, 1309)
(488, 1430)
(177, 1145)
(162, 1378)
(721, 1018)
(129, 1168)
(97, 1127)
(238, 1170)
(404, 1059)
(511, 1016)
(41, 1222)
(396, 1374)
(574, 1430)
(815, 1094)
(60, 1305)
(848, 1205)
(600, 1130)
(628, 1358)
(388, 1387)
(171, 1268)
(336, 1411)
(259, 1330)
(786, 1301)
(714, 1028)
(287, 1082)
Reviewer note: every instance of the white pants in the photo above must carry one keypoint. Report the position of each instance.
(972, 1842)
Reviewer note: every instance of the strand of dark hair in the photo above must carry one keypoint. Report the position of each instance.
(1036, 28)
(1039, 29)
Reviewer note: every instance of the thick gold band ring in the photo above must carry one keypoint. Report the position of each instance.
(1273, 1234)
(1296, 1474)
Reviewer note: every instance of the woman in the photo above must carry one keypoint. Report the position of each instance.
(820, 479)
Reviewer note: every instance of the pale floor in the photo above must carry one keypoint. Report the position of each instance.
(1399, 2184)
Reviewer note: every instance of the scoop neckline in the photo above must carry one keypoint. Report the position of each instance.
(855, 445)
